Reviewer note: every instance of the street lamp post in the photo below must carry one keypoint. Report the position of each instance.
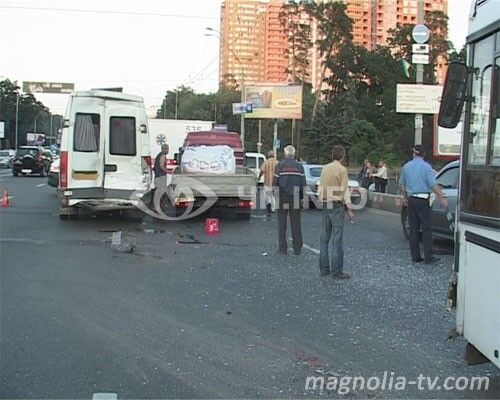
(17, 118)
(242, 78)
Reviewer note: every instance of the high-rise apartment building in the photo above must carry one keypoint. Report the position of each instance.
(242, 41)
(276, 61)
(253, 43)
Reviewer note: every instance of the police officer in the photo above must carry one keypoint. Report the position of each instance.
(417, 182)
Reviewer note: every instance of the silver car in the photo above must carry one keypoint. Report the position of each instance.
(6, 158)
(313, 173)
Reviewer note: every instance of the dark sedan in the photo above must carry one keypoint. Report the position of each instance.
(29, 160)
(443, 220)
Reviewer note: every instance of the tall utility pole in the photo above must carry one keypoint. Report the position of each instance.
(419, 78)
(211, 32)
(17, 118)
(242, 88)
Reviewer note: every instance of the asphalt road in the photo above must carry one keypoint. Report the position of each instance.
(191, 316)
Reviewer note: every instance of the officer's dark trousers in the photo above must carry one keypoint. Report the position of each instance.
(286, 206)
(419, 215)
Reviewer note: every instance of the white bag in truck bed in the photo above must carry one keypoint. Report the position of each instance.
(216, 160)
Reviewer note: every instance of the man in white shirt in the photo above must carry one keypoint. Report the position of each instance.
(381, 177)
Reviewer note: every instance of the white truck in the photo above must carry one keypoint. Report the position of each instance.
(173, 132)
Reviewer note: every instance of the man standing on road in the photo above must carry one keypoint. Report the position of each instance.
(160, 167)
(267, 169)
(160, 171)
(417, 182)
(290, 178)
(333, 191)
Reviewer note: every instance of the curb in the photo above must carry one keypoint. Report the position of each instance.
(386, 202)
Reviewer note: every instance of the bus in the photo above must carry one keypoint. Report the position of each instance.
(476, 85)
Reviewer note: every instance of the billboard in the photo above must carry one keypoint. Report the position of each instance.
(418, 99)
(35, 139)
(274, 101)
(48, 87)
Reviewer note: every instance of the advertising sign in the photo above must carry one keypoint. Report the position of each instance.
(35, 139)
(48, 87)
(274, 101)
(242, 108)
(418, 99)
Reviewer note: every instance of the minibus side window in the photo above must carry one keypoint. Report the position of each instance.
(122, 135)
(86, 133)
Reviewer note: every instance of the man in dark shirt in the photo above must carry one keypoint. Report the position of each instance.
(289, 178)
(160, 167)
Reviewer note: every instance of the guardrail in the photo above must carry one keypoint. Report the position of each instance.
(386, 202)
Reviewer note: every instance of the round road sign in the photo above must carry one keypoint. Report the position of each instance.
(420, 33)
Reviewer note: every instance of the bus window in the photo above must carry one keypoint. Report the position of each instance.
(481, 91)
(495, 123)
(480, 192)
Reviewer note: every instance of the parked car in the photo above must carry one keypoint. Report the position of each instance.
(48, 157)
(313, 173)
(29, 160)
(254, 161)
(443, 220)
(53, 175)
(6, 158)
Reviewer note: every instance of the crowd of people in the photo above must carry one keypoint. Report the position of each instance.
(286, 178)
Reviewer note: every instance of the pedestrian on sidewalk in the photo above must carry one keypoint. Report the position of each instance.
(267, 169)
(290, 180)
(381, 177)
(334, 192)
(417, 182)
(362, 172)
(367, 177)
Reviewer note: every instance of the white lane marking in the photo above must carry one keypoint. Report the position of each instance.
(104, 396)
(307, 247)
(40, 185)
(258, 216)
(21, 240)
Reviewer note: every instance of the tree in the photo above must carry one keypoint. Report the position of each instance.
(335, 31)
(29, 111)
(296, 22)
(461, 56)
(437, 22)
